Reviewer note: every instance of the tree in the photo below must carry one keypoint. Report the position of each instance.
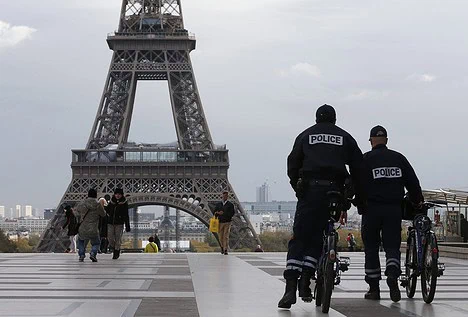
(5, 244)
(211, 240)
(275, 241)
(23, 245)
(34, 240)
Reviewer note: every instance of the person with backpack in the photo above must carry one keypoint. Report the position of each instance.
(151, 247)
(117, 212)
(72, 230)
(89, 211)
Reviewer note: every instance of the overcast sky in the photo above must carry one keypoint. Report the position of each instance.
(262, 67)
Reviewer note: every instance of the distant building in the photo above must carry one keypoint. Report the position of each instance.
(2, 211)
(28, 211)
(49, 213)
(36, 226)
(263, 193)
(284, 207)
(17, 212)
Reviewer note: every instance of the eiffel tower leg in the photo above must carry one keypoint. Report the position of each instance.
(54, 239)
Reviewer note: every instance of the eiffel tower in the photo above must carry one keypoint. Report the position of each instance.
(190, 175)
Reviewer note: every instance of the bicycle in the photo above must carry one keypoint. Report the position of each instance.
(422, 256)
(330, 265)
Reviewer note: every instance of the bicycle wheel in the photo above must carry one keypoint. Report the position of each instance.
(318, 291)
(328, 283)
(411, 266)
(430, 268)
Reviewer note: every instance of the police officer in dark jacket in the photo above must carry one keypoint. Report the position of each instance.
(385, 175)
(316, 166)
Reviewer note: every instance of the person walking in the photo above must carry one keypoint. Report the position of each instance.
(71, 226)
(385, 175)
(316, 166)
(89, 211)
(224, 211)
(158, 242)
(117, 212)
(151, 247)
(351, 242)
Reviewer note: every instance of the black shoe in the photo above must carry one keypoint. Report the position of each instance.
(222, 251)
(304, 286)
(225, 252)
(116, 254)
(289, 297)
(392, 283)
(374, 291)
(93, 258)
(81, 259)
(372, 294)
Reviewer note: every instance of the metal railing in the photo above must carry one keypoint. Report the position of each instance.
(149, 156)
(146, 36)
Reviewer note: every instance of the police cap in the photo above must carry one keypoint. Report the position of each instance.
(378, 131)
(325, 113)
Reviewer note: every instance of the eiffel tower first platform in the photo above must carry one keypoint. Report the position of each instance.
(152, 44)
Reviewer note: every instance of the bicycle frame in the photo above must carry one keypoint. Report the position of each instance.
(330, 254)
(423, 231)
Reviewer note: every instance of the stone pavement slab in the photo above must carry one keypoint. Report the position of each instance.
(193, 285)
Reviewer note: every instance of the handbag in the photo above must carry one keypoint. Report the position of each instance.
(80, 222)
(214, 225)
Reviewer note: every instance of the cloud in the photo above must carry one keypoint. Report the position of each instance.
(424, 78)
(13, 35)
(367, 94)
(301, 69)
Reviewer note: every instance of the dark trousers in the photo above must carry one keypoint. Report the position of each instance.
(381, 224)
(104, 244)
(310, 221)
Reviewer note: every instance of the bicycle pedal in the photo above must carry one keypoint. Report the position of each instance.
(307, 299)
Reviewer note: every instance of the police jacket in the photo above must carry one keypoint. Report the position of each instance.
(386, 173)
(117, 212)
(322, 152)
(228, 211)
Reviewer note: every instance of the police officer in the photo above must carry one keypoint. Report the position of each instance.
(316, 165)
(386, 173)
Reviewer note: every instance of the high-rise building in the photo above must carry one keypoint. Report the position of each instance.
(17, 212)
(263, 193)
(2, 211)
(28, 211)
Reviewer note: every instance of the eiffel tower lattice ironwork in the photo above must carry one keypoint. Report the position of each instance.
(152, 44)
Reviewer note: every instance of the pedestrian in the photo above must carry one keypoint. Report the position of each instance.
(151, 247)
(89, 211)
(437, 218)
(463, 227)
(258, 248)
(385, 175)
(157, 241)
(224, 210)
(71, 226)
(351, 242)
(103, 229)
(117, 212)
(316, 166)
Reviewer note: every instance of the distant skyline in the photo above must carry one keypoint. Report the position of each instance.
(262, 68)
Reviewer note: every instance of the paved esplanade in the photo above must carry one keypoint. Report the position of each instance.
(244, 284)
